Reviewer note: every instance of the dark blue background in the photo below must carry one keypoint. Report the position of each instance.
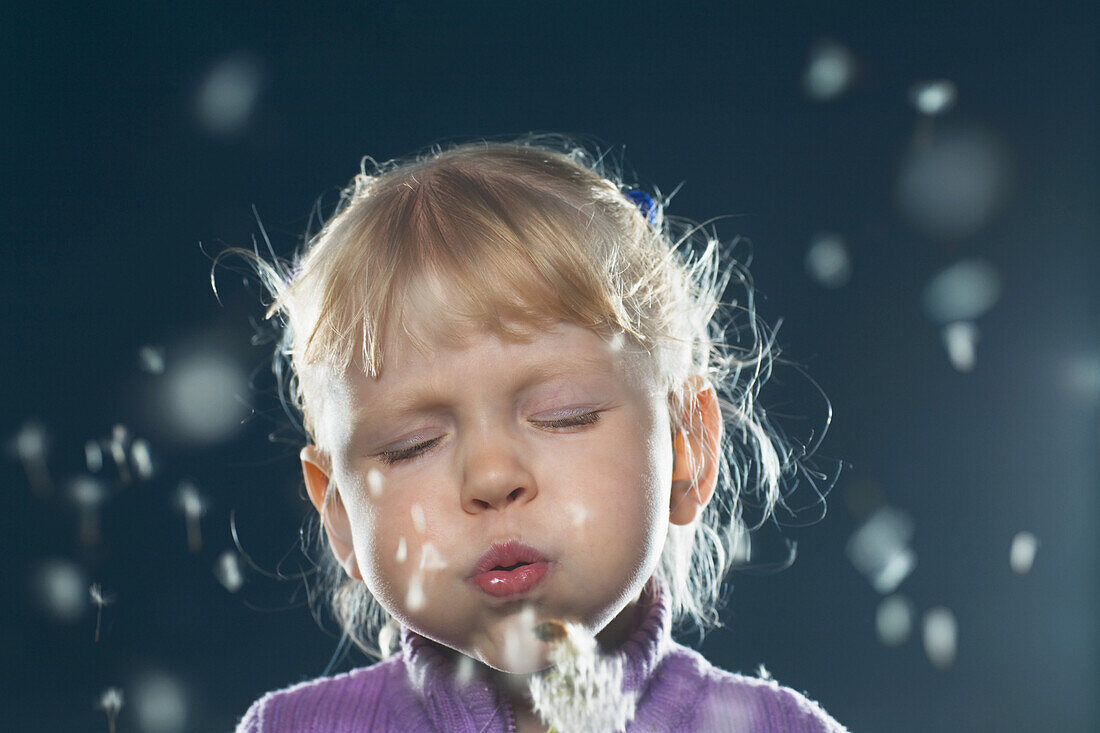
(110, 185)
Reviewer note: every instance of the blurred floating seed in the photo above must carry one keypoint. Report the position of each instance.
(415, 596)
(58, 587)
(388, 638)
(579, 513)
(827, 261)
(375, 482)
(30, 446)
(228, 571)
(940, 637)
(118, 443)
(963, 291)
(110, 702)
(430, 559)
(193, 506)
(464, 670)
(228, 94)
(402, 550)
(160, 703)
(1022, 555)
(894, 620)
(952, 186)
(99, 599)
(202, 396)
(93, 456)
(933, 97)
(763, 673)
(142, 459)
(419, 523)
(879, 549)
(87, 494)
(521, 644)
(961, 342)
(1082, 376)
(830, 71)
(151, 359)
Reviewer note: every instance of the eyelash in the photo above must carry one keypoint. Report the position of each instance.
(414, 451)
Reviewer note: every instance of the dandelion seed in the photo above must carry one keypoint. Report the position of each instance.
(763, 673)
(827, 261)
(464, 670)
(193, 507)
(120, 438)
(228, 571)
(579, 512)
(521, 648)
(940, 637)
(415, 596)
(100, 599)
(387, 639)
(201, 396)
(402, 550)
(430, 559)
(584, 689)
(933, 97)
(160, 703)
(30, 445)
(894, 620)
(59, 590)
(961, 342)
(88, 494)
(93, 456)
(375, 482)
(142, 459)
(830, 72)
(229, 94)
(879, 549)
(1022, 555)
(151, 359)
(419, 523)
(963, 291)
(110, 702)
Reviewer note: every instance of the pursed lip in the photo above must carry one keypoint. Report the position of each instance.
(506, 554)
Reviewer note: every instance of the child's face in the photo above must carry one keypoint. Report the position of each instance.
(561, 443)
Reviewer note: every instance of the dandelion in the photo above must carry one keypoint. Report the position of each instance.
(402, 550)
(110, 702)
(193, 507)
(100, 599)
(584, 689)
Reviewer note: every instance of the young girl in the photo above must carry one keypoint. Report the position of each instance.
(508, 370)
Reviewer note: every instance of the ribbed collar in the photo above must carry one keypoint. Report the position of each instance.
(431, 669)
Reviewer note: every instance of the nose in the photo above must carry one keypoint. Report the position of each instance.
(495, 475)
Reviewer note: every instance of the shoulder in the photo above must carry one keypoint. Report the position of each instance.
(728, 701)
(327, 703)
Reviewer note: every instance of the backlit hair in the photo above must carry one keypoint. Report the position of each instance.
(532, 233)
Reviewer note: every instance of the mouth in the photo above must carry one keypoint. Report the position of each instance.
(508, 569)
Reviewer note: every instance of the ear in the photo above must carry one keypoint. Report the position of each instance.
(325, 497)
(696, 449)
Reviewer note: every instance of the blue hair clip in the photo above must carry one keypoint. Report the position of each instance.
(645, 204)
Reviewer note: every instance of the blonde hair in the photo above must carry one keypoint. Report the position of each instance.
(534, 232)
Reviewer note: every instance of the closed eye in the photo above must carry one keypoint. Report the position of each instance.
(391, 457)
(572, 421)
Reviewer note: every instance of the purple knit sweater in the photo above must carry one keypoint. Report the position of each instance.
(416, 690)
